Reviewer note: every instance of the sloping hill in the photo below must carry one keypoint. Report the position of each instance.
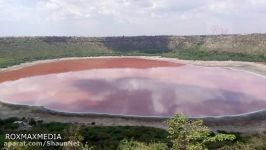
(252, 47)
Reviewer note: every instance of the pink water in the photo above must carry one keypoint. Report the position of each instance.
(153, 91)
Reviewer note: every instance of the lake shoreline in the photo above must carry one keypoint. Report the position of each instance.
(250, 123)
(254, 122)
(257, 67)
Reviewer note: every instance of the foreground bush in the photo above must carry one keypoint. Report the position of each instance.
(186, 134)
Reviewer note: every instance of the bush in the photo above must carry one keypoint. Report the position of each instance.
(188, 134)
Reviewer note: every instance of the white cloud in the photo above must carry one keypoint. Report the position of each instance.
(130, 17)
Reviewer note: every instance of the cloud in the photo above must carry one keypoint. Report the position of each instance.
(131, 17)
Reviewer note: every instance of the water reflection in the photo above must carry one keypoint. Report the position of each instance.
(160, 91)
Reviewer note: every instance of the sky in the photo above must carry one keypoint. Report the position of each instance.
(131, 17)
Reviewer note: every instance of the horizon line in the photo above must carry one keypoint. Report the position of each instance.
(86, 36)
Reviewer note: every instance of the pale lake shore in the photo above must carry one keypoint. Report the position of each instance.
(256, 67)
(246, 123)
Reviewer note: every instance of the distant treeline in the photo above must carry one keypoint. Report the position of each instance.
(15, 50)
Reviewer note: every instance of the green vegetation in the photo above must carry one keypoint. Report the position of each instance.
(25, 49)
(214, 55)
(110, 137)
(251, 143)
(134, 145)
(192, 134)
(182, 134)
(100, 138)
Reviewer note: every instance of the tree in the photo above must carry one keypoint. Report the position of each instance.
(187, 134)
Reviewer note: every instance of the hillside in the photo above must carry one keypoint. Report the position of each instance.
(252, 47)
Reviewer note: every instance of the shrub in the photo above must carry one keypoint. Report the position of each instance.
(186, 134)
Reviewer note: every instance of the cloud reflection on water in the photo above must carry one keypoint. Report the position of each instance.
(195, 91)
